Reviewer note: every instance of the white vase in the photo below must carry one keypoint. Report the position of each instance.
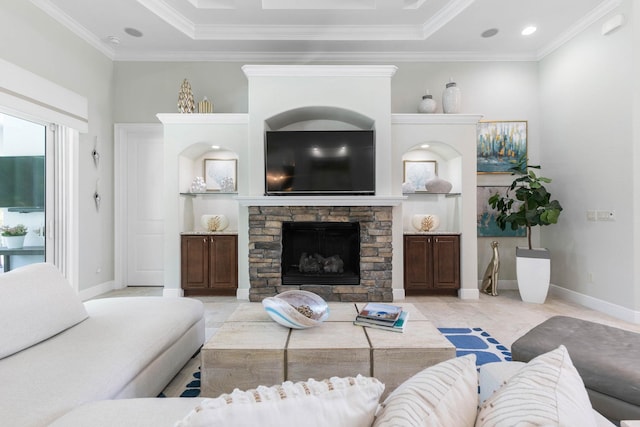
(214, 222)
(427, 105)
(425, 222)
(14, 242)
(533, 271)
(451, 98)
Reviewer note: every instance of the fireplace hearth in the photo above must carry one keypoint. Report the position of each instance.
(366, 255)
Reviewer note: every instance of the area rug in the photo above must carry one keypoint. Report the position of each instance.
(477, 341)
(467, 340)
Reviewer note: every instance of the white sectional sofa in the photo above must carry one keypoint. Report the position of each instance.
(57, 353)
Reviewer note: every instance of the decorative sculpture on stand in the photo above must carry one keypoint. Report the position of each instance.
(490, 279)
(186, 103)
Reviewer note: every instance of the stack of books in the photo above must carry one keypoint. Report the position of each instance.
(382, 316)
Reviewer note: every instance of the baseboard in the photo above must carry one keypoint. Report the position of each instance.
(94, 291)
(468, 293)
(617, 311)
(172, 293)
(398, 294)
(243, 293)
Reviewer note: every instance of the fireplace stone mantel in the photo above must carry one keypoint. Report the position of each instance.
(320, 200)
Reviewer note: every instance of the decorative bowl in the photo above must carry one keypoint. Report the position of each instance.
(215, 222)
(283, 309)
(425, 222)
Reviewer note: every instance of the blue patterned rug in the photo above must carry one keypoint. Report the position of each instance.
(466, 340)
(477, 341)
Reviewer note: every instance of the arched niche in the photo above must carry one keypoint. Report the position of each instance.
(191, 165)
(449, 163)
(319, 118)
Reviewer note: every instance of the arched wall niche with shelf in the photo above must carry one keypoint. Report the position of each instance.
(191, 165)
(446, 206)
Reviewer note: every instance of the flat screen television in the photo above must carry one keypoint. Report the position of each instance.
(22, 183)
(320, 162)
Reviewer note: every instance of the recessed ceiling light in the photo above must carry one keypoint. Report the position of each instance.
(489, 33)
(529, 30)
(133, 32)
(424, 146)
(215, 147)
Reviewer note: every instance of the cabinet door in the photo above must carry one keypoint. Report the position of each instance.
(194, 262)
(418, 266)
(446, 262)
(224, 262)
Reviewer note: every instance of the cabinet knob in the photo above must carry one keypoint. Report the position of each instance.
(204, 240)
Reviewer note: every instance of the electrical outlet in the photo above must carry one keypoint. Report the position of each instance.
(591, 216)
(606, 215)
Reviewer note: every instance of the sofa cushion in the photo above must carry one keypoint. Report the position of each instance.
(36, 303)
(143, 412)
(548, 391)
(445, 394)
(122, 340)
(349, 402)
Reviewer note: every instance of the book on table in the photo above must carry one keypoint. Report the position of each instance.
(380, 313)
(397, 326)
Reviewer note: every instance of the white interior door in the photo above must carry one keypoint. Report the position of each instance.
(143, 212)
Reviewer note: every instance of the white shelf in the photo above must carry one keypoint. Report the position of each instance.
(208, 193)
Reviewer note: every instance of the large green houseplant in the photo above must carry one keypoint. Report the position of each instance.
(527, 203)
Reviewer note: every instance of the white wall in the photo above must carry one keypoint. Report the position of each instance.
(588, 147)
(35, 42)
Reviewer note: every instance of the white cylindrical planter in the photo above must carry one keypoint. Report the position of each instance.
(533, 270)
(14, 242)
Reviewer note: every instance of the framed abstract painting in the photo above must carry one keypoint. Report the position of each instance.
(500, 145)
(487, 226)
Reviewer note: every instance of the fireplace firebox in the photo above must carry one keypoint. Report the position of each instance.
(320, 253)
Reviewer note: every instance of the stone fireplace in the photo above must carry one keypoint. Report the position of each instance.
(320, 253)
(369, 280)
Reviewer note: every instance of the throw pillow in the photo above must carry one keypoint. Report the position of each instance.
(348, 402)
(445, 394)
(36, 302)
(548, 391)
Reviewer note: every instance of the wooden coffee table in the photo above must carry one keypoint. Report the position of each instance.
(250, 350)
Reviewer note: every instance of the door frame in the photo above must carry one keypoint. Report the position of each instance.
(122, 133)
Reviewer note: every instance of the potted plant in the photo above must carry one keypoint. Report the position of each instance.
(527, 203)
(14, 236)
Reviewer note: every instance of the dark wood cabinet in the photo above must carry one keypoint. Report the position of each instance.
(209, 264)
(431, 264)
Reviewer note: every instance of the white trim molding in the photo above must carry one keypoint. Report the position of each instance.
(617, 311)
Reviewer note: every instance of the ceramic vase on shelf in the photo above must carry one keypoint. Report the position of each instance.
(427, 105)
(451, 98)
(198, 185)
(438, 185)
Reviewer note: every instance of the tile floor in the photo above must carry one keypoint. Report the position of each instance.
(505, 317)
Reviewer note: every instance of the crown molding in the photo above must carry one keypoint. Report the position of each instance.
(80, 31)
(591, 18)
(308, 57)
